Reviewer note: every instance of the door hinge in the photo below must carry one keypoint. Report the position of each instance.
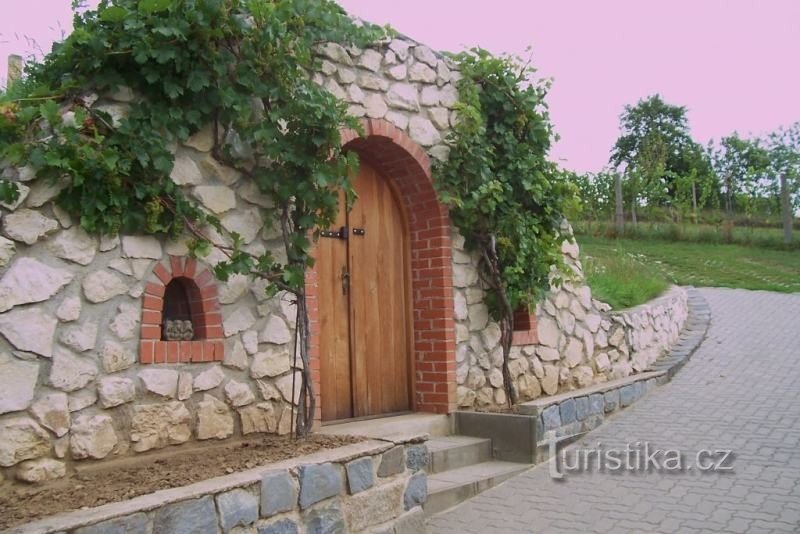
(341, 233)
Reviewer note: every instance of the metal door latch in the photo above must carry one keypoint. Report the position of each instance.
(359, 231)
(345, 280)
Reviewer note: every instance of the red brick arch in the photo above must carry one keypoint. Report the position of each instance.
(407, 166)
(201, 288)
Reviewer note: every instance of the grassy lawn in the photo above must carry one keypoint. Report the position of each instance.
(626, 272)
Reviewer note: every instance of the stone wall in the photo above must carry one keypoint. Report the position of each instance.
(373, 486)
(74, 329)
(72, 386)
(403, 82)
(580, 340)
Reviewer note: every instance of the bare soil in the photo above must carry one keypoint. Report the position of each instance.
(127, 478)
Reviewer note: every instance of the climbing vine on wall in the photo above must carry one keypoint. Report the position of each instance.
(240, 65)
(507, 199)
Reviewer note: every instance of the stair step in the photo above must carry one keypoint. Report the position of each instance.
(393, 427)
(453, 452)
(450, 488)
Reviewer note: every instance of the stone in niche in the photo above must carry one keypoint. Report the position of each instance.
(178, 330)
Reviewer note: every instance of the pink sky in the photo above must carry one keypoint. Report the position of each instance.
(732, 63)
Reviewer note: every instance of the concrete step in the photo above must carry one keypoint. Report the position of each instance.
(453, 452)
(450, 488)
(394, 427)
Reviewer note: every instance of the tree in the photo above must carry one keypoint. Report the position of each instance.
(654, 136)
(596, 193)
(507, 199)
(740, 163)
(783, 147)
(695, 185)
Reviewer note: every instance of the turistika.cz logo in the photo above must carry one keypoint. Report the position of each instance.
(637, 457)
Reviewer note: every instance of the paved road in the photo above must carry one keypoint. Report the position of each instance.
(740, 391)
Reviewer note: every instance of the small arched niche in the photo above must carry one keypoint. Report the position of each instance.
(181, 319)
(179, 323)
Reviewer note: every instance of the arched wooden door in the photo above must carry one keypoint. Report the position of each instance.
(364, 306)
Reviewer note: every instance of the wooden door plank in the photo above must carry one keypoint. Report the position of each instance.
(335, 369)
(379, 313)
(360, 272)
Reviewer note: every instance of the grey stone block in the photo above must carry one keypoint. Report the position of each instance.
(359, 475)
(325, 520)
(611, 399)
(596, 404)
(581, 408)
(551, 418)
(417, 457)
(416, 491)
(318, 482)
(278, 493)
(130, 524)
(284, 526)
(237, 508)
(197, 516)
(627, 395)
(411, 522)
(392, 462)
(568, 411)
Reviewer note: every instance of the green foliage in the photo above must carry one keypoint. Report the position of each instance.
(504, 195)
(506, 198)
(710, 230)
(241, 65)
(596, 193)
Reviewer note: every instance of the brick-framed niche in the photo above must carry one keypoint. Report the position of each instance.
(525, 331)
(200, 292)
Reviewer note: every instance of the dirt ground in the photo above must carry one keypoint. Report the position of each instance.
(95, 486)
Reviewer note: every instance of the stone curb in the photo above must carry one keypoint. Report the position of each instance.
(693, 334)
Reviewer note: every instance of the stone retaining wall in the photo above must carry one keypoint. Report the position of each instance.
(370, 486)
(581, 341)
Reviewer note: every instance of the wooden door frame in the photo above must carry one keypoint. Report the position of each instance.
(406, 167)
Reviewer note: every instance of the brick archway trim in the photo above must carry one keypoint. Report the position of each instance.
(407, 166)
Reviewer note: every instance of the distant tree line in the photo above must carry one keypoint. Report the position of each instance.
(658, 172)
